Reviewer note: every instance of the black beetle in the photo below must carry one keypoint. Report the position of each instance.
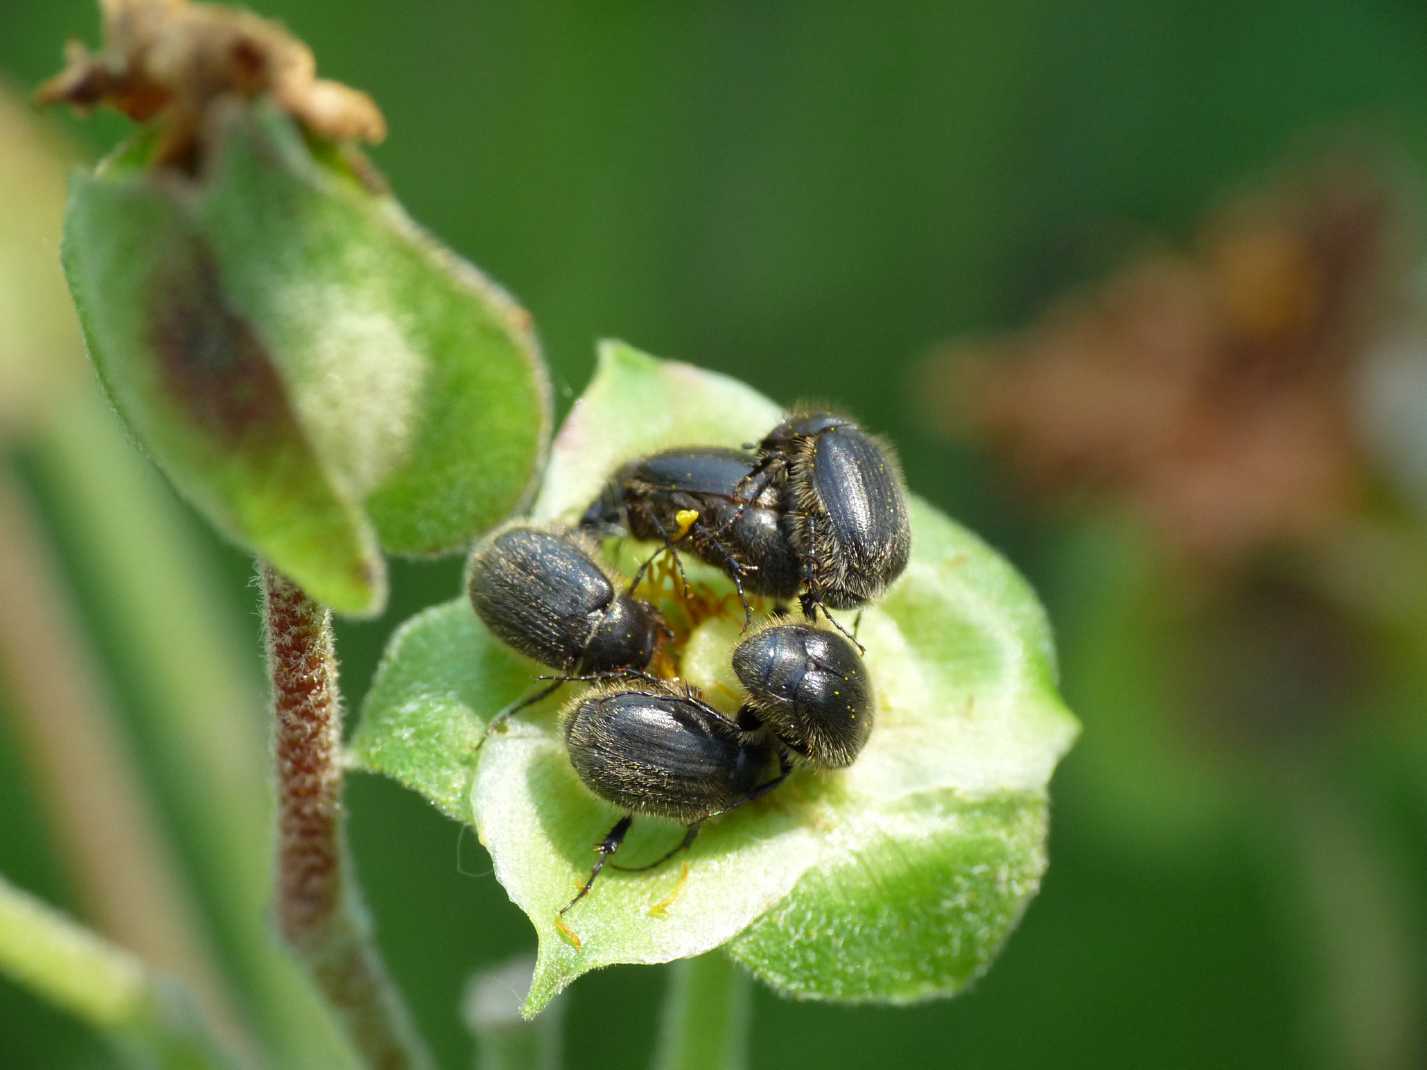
(810, 688)
(689, 497)
(844, 512)
(661, 751)
(544, 595)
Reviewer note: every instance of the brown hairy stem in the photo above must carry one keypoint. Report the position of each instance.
(319, 909)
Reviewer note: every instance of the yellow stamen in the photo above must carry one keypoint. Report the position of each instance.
(659, 909)
(568, 934)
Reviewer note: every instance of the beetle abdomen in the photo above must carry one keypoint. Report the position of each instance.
(661, 754)
(539, 593)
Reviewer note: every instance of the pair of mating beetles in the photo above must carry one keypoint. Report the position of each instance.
(817, 513)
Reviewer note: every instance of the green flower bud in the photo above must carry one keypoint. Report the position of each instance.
(321, 379)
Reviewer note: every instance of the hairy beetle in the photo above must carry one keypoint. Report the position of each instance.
(661, 751)
(546, 597)
(810, 688)
(688, 497)
(844, 511)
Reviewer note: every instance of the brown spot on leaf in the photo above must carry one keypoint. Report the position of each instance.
(211, 360)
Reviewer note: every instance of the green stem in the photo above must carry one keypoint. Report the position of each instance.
(706, 1018)
(69, 733)
(1366, 963)
(101, 984)
(154, 596)
(505, 1040)
(319, 908)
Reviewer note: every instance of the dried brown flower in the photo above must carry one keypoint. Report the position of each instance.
(1210, 391)
(170, 62)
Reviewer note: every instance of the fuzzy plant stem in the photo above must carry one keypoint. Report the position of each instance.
(151, 1023)
(706, 1017)
(319, 908)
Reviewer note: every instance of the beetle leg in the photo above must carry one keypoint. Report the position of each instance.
(667, 548)
(606, 674)
(498, 721)
(735, 570)
(762, 476)
(849, 636)
(785, 766)
(690, 834)
(679, 568)
(737, 573)
(606, 847)
(748, 718)
(811, 602)
(642, 569)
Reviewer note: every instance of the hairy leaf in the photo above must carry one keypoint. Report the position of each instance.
(896, 879)
(320, 378)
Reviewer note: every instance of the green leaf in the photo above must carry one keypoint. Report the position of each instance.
(893, 880)
(320, 378)
(202, 394)
(636, 405)
(440, 680)
(905, 916)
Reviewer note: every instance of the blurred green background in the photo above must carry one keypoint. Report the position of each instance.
(810, 199)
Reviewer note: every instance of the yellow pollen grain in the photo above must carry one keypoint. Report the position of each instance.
(685, 519)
